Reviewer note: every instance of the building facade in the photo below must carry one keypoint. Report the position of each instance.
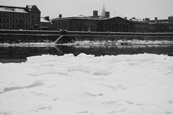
(75, 24)
(163, 25)
(115, 24)
(45, 23)
(140, 26)
(99, 23)
(19, 17)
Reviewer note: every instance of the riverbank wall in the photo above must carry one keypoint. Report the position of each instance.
(26, 36)
(63, 37)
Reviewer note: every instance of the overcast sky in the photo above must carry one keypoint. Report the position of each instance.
(124, 8)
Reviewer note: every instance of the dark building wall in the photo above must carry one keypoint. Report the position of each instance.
(116, 24)
(161, 27)
(34, 15)
(61, 24)
(45, 26)
(45, 23)
(75, 24)
(9, 20)
(140, 26)
(164, 25)
(26, 18)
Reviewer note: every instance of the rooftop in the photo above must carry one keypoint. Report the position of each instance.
(44, 20)
(26, 9)
(13, 9)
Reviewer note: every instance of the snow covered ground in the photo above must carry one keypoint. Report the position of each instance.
(86, 85)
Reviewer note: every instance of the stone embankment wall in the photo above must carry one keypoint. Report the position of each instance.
(83, 38)
(23, 36)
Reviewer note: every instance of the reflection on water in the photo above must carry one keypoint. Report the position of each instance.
(20, 54)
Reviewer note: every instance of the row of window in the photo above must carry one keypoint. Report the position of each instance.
(6, 20)
(7, 14)
(12, 20)
(18, 15)
(13, 26)
(35, 16)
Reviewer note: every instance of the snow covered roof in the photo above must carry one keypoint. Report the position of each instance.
(44, 20)
(31, 7)
(26, 9)
(13, 9)
(76, 17)
(159, 21)
(82, 18)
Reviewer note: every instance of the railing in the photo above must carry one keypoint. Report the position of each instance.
(6, 31)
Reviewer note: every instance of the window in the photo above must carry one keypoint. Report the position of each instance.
(2, 14)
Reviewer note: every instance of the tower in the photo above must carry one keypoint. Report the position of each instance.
(103, 11)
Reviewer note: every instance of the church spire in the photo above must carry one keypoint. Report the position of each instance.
(103, 11)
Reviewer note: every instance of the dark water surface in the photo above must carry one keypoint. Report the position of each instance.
(20, 54)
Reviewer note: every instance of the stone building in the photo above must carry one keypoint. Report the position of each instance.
(45, 23)
(19, 17)
(115, 24)
(75, 24)
(161, 25)
(93, 23)
(140, 26)
(101, 23)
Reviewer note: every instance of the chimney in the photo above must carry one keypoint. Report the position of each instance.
(107, 14)
(170, 19)
(156, 19)
(60, 15)
(147, 19)
(95, 13)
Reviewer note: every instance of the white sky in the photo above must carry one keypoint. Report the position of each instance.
(124, 8)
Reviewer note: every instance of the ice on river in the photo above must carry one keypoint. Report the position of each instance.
(87, 85)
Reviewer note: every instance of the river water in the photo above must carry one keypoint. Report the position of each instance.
(19, 54)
